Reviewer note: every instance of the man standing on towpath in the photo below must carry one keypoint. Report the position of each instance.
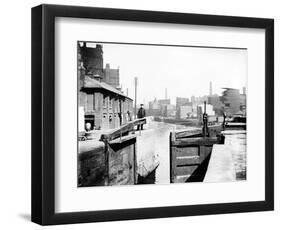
(141, 114)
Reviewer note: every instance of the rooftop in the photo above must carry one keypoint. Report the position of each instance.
(92, 83)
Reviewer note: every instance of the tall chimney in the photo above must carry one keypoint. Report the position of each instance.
(210, 89)
(244, 90)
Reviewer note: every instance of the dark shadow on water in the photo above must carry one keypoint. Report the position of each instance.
(241, 175)
(150, 179)
(199, 174)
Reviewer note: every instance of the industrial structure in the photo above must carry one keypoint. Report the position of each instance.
(230, 103)
(234, 103)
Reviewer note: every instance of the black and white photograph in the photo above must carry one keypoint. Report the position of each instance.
(142, 114)
(160, 114)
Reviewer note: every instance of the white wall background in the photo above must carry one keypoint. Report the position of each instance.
(15, 118)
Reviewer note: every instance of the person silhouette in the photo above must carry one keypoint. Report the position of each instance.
(141, 114)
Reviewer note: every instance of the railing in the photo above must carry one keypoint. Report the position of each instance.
(113, 148)
(123, 130)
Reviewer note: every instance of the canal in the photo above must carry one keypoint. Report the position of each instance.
(153, 147)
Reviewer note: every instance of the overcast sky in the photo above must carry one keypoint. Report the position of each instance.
(184, 71)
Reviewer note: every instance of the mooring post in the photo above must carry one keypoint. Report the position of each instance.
(224, 120)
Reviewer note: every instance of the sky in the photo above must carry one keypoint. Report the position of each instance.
(184, 71)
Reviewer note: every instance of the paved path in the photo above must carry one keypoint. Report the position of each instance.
(221, 165)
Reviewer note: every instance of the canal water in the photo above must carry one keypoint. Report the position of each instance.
(153, 147)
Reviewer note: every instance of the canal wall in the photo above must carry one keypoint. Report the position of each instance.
(107, 163)
(122, 166)
(91, 163)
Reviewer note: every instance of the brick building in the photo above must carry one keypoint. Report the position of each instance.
(104, 106)
(161, 107)
(200, 111)
(154, 108)
(101, 103)
(180, 102)
(111, 76)
(218, 106)
(185, 111)
(92, 59)
(92, 62)
(233, 101)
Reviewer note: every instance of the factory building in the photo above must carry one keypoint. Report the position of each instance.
(233, 101)
(181, 109)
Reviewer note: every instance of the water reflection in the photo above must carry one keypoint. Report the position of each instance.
(154, 141)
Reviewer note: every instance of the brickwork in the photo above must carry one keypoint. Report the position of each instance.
(104, 108)
(118, 159)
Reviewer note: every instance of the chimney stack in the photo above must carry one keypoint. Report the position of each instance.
(244, 90)
(210, 89)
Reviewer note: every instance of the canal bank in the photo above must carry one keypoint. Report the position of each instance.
(154, 140)
(128, 156)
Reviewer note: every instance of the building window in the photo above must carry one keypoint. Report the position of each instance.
(94, 102)
(104, 101)
(90, 103)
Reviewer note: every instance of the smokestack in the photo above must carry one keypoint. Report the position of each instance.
(166, 93)
(136, 86)
(244, 90)
(210, 89)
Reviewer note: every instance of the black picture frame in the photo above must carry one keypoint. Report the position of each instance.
(43, 114)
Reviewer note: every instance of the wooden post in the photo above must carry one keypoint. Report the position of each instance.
(136, 84)
(106, 159)
(135, 164)
(172, 156)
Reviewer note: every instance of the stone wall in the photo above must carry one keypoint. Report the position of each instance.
(102, 164)
(91, 166)
(122, 165)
